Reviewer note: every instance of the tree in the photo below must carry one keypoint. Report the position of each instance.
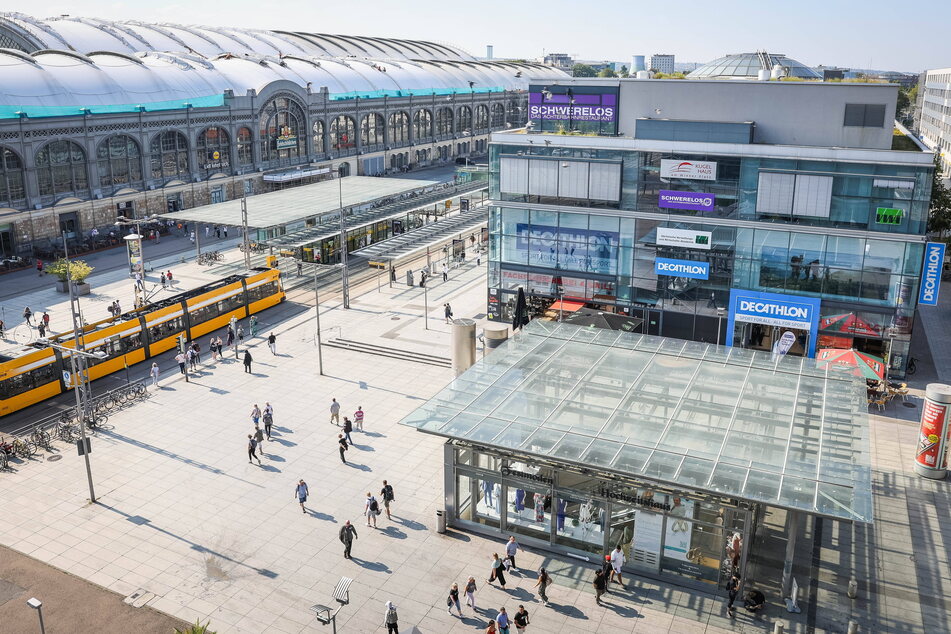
(624, 72)
(607, 72)
(582, 70)
(903, 102)
(939, 214)
(78, 270)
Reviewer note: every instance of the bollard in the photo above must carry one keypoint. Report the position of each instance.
(853, 590)
(440, 521)
(778, 627)
(853, 627)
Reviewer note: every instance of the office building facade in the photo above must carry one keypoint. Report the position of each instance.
(662, 63)
(934, 114)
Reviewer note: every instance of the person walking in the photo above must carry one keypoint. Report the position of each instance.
(371, 509)
(348, 533)
(498, 571)
(453, 599)
(180, 358)
(600, 584)
(391, 619)
(259, 438)
(224, 230)
(154, 373)
(207, 232)
(46, 319)
(502, 620)
(230, 337)
(521, 619)
(387, 494)
(28, 315)
(255, 414)
(343, 447)
(190, 355)
(544, 580)
(732, 589)
(301, 492)
(213, 348)
(334, 411)
(253, 325)
(347, 428)
(252, 447)
(617, 561)
(447, 311)
(491, 628)
(220, 347)
(445, 272)
(247, 361)
(272, 343)
(358, 418)
(41, 328)
(139, 282)
(39, 267)
(268, 419)
(162, 280)
(2, 326)
(197, 348)
(300, 268)
(240, 334)
(470, 593)
(510, 549)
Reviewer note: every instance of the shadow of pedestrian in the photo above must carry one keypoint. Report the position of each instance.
(272, 468)
(373, 434)
(286, 443)
(283, 430)
(410, 524)
(275, 458)
(521, 594)
(378, 566)
(359, 467)
(392, 531)
(568, 610)
(322, 516)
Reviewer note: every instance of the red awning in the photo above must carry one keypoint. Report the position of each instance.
(566, 305)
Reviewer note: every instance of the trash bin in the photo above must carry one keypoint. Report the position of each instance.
(409, 277)
(440, 521)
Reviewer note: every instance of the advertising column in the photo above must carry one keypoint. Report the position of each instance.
(133, 244)
(931, 456)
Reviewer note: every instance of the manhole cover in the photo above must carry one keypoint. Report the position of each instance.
(53, 458)
(394, 318)
(911, 405)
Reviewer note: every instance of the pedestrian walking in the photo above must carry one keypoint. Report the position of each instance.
(247, 361)
(180, 358)
(2, 327)
(154, 373)
(343, 447)
(272, 343)
(28, 315)
(498, 571)
(268, 419)
(544, 580)
(252, 446)
(255, 414)
(453, 599)
(371, 509)
(348, 533)
(139, 282)
(301, 492)
(470, 593)
(225, 231)
(207, 232)
(191, 236)
(162, 279)
(190, 355)
(46, 319)
(447, 309)
(217, 232)
(39, 268)
(118, 308)
(168, 277)
(300, 268)
(196, 347)
(259, 438)
(617, 561)
(391, 619)
(510, 549)
(491, 628)
(358, 418)
(520, 619)
(387, 494)
(253, 325)
(606, 572)
(213, 348)
(600, 584)
(732, 589)
(240, 334)
(502, 620)
(41, 327)
(445, 272)
(334, 411)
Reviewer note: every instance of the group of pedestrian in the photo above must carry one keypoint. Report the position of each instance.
(114, 309)
(257, 436)
(344, 440)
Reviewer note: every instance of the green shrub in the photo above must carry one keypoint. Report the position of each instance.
(77, 269)
(197, 628)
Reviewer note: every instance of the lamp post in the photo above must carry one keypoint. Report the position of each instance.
(720, 313)
(345, 273)
(320, 358)
(244, 228)
(37, 605)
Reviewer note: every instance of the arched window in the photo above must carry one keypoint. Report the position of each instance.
(169, 155)
(443, 121)
(514, 113)
(399, 127)
(214, 151)
(119, 162)
(319, 137)
(498, 115)
(61, 168)
(11, 178)
(343, 133)
(371, 129)
(422, 124)
(283, 130)
(482, 117)
(245, 148)
(464, 121)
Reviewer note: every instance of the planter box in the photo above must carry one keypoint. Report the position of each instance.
(78, 289)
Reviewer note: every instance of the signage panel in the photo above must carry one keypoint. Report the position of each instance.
(567, 248)
(572, 107)
(692, 170)
(693, 201)
(682, 268)
(773, 309)
(888, 216)
(684, 238)
(931, 274)
(934, 418)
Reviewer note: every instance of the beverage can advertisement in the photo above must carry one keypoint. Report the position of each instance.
(933, 421)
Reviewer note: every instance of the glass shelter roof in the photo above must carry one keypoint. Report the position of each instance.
(740, 423)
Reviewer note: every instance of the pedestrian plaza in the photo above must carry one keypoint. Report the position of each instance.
(183, 517)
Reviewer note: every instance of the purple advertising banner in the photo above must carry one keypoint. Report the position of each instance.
(574, 108)
(693, 201)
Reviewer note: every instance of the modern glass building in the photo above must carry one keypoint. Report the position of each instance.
(757, 209)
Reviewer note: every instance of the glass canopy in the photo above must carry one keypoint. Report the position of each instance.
(740, 423)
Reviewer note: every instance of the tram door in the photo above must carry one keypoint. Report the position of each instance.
(766, 338)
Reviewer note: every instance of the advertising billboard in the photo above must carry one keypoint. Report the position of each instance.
(551, 107)
(692, 201)
(684, 238)
(588, 250)
(931, 274)
(691, 170)
(682, 268)
(773, 309)
(928, 456)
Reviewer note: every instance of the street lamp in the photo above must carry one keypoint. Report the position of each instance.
(37, 605)
(320, 358)
(345, 275)
(720, 313)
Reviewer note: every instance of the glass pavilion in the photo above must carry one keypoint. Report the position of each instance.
(579, 439)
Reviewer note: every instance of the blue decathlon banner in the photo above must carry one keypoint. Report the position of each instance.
(931, 274)
(682, 268)
(774, 309)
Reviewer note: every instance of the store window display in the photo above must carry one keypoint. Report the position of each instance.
(579, 523)
(528, 510)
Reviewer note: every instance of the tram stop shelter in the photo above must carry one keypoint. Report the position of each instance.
(580, 439)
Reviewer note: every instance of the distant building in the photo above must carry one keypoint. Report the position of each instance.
(488, 51)
(749, 65)
(830, 72)
(934, 114)
(562, 61)
(662, 63)
(637, 63)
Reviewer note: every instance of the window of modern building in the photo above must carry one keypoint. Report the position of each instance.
(399, 127)
(482, 117)
(61, 168)
(214, 151)
(119, 161)
(245, 147)
(371, 129)
(865, 115)
(283, 130)
(343, 133)
(169, 155)
(444, 121)
(498, 115)
(319, 140)
(514, 113)
(11, 177)
(422, 124)
(464, 121)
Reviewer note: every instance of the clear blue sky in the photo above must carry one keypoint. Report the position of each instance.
(906, 36)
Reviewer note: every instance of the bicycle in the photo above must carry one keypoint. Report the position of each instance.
(23, 448)
(67, 431)
(41, 438)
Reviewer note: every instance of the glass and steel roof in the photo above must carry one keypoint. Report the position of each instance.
(740, 423)
(747, 65)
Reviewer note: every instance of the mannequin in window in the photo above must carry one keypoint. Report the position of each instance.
(562, 506)
(586, 517)
(679, 511)
(497, 494)
(539, 507)
(519, 500)
(487, 492)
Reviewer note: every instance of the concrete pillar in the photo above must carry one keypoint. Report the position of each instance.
(793, 526)
(463, 345)
(495, 335)
(931, 455)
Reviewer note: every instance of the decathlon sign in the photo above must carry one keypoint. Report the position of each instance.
(682, 268)
(931, 274)
(692, 170)
(772, 309)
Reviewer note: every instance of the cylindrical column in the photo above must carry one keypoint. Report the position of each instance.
(463, 345)
(931, 457)
(495, 336)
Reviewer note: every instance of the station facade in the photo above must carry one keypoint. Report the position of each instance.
(755, 214)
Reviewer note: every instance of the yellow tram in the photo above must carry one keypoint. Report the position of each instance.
(36, 373)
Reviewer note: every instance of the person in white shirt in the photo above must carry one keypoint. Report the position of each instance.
(335, 412)
(617, 561)
(154, 373)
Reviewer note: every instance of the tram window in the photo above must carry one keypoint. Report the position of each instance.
(166, 329)
(132, 342)
(262, 292)
(27, 381)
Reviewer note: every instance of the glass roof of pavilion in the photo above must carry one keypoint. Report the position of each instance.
(729, 421)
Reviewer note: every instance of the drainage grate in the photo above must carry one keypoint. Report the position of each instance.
(54, 458)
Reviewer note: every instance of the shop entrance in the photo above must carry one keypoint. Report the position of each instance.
(766, 338)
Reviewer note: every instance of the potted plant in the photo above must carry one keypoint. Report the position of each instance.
(77, 270)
